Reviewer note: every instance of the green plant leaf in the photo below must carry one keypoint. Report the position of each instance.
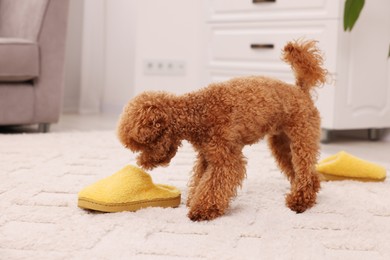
(389, 52)
(352, 9)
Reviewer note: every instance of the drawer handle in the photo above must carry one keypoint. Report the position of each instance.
(263, 1)
(262, 46)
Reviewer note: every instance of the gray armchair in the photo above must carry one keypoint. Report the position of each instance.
(32, 50)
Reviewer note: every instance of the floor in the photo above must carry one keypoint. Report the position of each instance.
(71, 123)
(41, 175)
(38, 196)
(355, 142)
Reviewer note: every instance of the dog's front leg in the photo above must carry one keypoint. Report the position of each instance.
(218, 184)
(198, 171)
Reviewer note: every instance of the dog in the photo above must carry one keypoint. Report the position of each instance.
(220, 119)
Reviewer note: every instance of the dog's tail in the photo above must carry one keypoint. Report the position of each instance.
(306, 61)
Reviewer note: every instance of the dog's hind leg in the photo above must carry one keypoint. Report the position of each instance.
(304, 152)
(280, 148)
(218, 185)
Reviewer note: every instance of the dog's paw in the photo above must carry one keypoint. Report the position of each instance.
(201, 214)
(300, 201)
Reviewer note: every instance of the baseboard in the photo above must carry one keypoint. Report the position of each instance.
(70, 109)
(362, 134)
(386, 134)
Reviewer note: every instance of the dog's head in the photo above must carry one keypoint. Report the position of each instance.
(144, 127)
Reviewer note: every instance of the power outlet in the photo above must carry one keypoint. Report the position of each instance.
(165, 67)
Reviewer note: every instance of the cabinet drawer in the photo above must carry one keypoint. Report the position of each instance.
(259, 45)
(247, 10)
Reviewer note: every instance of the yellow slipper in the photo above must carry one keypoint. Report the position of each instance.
(343, 166)
(129, 189)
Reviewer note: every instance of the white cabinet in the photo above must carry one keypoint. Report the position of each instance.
(246, 38)
(260, 10)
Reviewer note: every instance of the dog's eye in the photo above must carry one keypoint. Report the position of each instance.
(154, 123)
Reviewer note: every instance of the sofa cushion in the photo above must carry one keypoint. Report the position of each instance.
(19, 60)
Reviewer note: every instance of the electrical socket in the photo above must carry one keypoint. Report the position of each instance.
(165, 67)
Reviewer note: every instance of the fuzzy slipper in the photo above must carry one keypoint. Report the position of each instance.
(343, 166)
(129, 189)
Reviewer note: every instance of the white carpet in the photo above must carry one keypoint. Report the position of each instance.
(40, 175)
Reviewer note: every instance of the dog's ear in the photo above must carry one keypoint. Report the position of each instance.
(125, 129)
(155, 116)
(143, 120)
(152, 122)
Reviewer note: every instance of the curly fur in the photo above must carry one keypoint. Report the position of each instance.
(221, 119)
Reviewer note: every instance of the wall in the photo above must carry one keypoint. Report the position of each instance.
(73, 57)
(169, 30)
(84, 63)
(114, 38)
(93, 56)
(119, 54)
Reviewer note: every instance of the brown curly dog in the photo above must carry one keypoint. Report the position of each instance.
(221, 119)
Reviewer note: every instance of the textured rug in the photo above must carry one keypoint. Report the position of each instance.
(41, 174)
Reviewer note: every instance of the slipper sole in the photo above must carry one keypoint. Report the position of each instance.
(330, 177)
(90, 204)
